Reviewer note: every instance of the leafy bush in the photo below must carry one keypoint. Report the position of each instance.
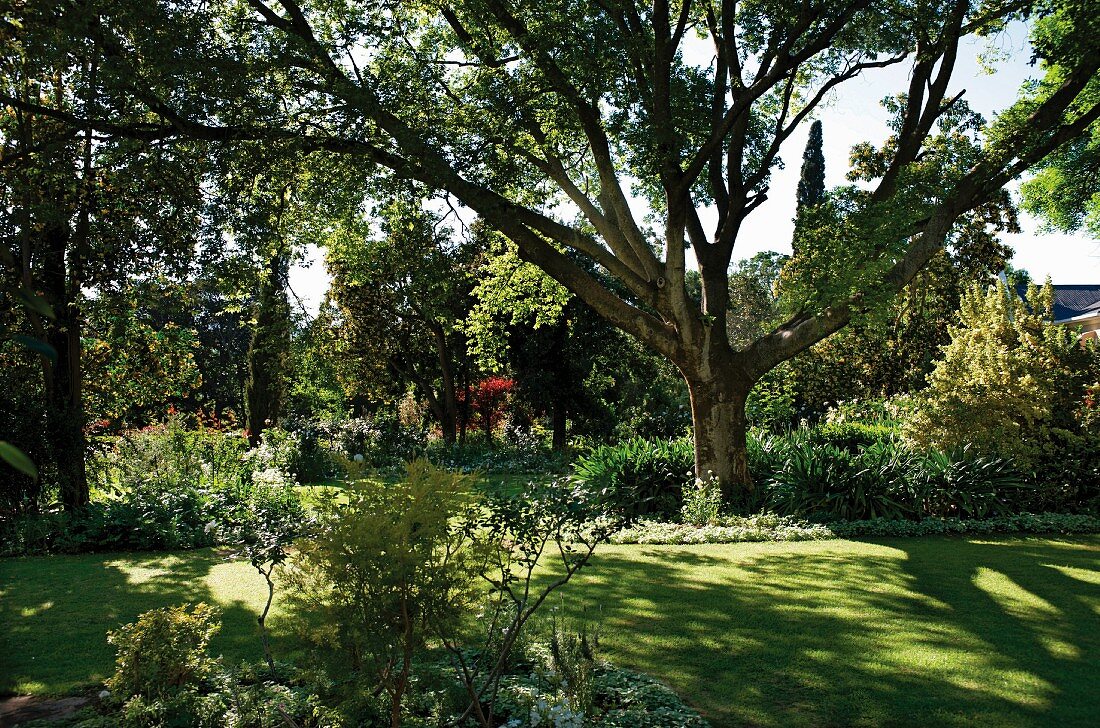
(731, 529)
(827, 482)
(849, 435)
(702, 503)
(476, 455)
(153, 515)
(639, 476)
(1064, 475)
(383, 569)
(848, 471)
(165, 677)
(1006, 377)
(620, 699)
(164, 650)
(171, 455)
(1063, 523)
(382, 441)
(959, 484)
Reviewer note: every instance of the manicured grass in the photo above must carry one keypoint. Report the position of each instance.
(907, 632)
(934, 631)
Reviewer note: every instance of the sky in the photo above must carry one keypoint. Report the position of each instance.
(854, 115)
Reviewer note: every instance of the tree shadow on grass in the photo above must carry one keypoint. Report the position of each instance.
(55, 611)
(908, 632)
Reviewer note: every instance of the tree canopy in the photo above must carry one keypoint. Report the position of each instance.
(586, 129)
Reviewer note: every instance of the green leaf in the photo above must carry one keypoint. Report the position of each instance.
(35, 303)
(16, 458)
(37, 345)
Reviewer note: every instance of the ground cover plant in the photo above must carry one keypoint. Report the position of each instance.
(955, 631)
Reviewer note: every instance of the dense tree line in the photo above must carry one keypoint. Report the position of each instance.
(134, 131)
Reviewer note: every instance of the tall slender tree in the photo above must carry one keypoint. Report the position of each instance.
(811, 184)
(269, 350)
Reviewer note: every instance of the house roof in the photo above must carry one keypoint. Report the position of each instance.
(1073, 300)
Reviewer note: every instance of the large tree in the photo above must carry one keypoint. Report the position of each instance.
(84, 212)
(510, 106)
(401, 292)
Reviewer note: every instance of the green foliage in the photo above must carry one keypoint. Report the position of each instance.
(509, 293)
(1064, 474)
(164, 650)
(1006, 381)
(618, 699)
(848, 470)
(702, 503)
(1065, 191)
(400, 295)
(269, 351)
(516, 454)
(766, 527)
(386, 569)
(771, 403)
(811, 182)
(136, 364)
(1038, 523)
(831, 483)
(961, 485)
(163, 487)
(639, 476)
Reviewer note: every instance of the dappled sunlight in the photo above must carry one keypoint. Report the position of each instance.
(64, 646)
(825, 633)
(1088, 576)
(1012, 597)
(35, 610)
(941, 631)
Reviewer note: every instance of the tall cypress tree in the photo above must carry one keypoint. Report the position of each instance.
(268, 351)
(811, 185)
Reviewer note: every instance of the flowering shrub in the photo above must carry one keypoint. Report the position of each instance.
(733, 529)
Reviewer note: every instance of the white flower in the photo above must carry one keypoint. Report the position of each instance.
(104, 694)
(358, 457)
(210, 526)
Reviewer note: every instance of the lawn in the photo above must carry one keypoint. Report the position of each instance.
(935, 631)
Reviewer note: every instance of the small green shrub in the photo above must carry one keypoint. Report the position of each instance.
(702, 503)
(1064, 475)
(851, 471)
(730, 529)
(639, 476)
(1037, 523)
(155, 515)
(163, 651)
(827, 482)
(849, 435)
(383, 570)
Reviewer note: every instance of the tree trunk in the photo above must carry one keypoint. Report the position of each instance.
(65, 429)
(268, 352)
(559, 423)
(718, 415)
(448, 420)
